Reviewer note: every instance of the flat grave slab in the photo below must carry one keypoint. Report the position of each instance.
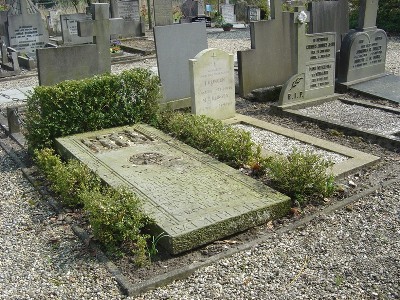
(386, 87)
(20, 94)
(192, 197)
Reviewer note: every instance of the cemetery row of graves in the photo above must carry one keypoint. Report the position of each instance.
(154, 160)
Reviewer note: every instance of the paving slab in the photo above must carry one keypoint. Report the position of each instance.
(192, 197)
(386, 87)
(12, 95)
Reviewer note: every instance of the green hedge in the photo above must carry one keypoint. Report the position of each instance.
(99, 102)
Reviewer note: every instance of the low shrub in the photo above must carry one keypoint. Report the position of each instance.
(115, 215)
(95, 103)
(301, 175)
(116, 219)
(227, 144)
(68, 180)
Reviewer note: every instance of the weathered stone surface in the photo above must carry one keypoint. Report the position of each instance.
(213, 84)
(192, 197)
(163, 12)
(228, 13)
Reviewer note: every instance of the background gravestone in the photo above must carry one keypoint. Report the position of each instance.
(228, 13)
(213, 84)
(253, 13)
(162, 12)
(26, 29)
(81, 61)
(363, 51)
(175, 45)
(192, 8)
(125, 9)
(271, 60)
(330, 16)
(69, 29)
(315, 78)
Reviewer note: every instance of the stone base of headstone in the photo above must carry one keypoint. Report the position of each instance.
(385, 87)
(307, 103)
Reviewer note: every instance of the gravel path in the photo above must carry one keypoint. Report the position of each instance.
(353, 253)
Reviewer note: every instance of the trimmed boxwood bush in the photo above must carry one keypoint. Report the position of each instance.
(99, 102)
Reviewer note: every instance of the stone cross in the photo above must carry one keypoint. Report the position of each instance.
(368, 13)
(101, 28)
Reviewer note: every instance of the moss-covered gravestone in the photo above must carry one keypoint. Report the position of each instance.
(192, 197)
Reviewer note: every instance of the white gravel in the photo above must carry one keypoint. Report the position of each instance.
(370, 119)
(280, 144)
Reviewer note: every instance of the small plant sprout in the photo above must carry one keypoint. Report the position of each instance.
(152, 251)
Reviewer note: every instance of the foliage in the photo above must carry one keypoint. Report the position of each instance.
(388, 17)
(114, 214)
(227, 144)
(116, 218)
(227, 25)
(66, 179)
(152, 250)
(301, 175)
(91, 104)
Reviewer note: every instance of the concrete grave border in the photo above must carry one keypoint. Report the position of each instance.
(357, 159)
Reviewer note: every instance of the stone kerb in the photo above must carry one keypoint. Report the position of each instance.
(213, 84)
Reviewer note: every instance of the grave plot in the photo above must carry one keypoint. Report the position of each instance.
(376, 123)
(192, 197)
(345, 159)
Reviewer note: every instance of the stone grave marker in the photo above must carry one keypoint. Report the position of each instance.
(329, 16)
(125, 9)
(58, 64)
(316, 57)
(253, 13)
(69, 29)
(363, 56)
(270, 61)
(129, 11)
(363, 51)
(228, 12)
(192, 8)
(162, 12)
(191, 197)
(175, 45)
(26, 29)
(213, 84)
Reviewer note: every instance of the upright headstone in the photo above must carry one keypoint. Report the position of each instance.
(253, 13)
(175, 45)
(53, 22)
(315, 78)
(228, 13)
(81, 61)
(192, 8)
(213, 84)
(270, 61)
(26, 29)
(363, 51)
(125, 9)
(129, 11)
(162, 12)
(69, 29)
(330, 16)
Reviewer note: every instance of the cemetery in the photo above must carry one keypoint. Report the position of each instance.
(156, 140)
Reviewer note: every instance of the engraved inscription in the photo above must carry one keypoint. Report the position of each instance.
(368, 52)
(129, 9)
(319, 75)
(25, 37)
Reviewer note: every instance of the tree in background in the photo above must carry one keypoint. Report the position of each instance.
(388, 17)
